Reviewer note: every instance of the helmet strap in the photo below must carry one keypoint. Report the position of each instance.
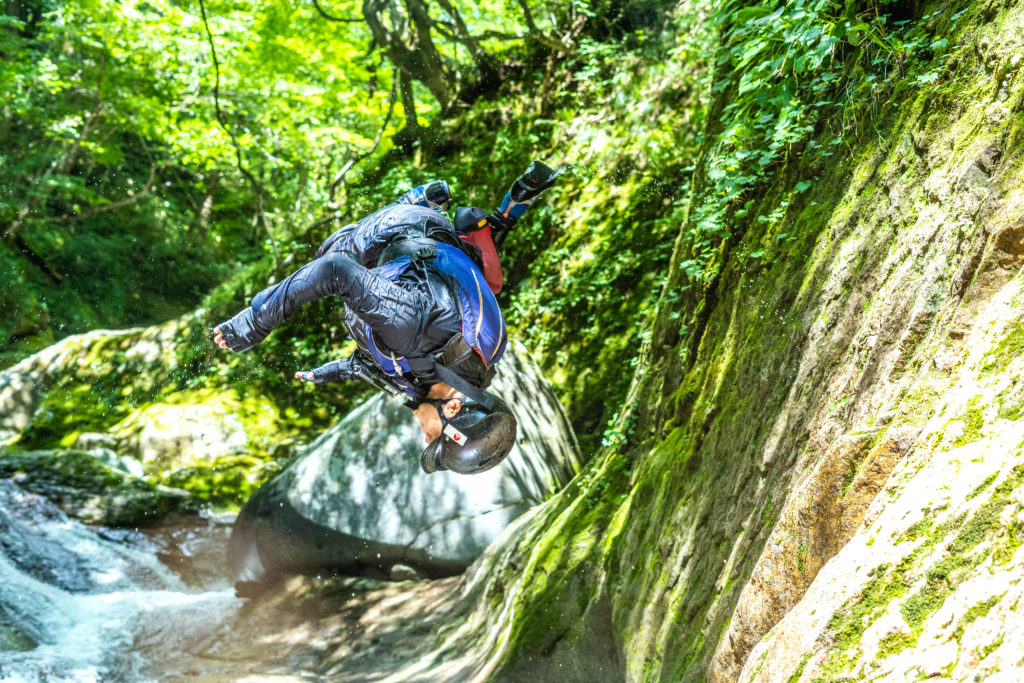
(452, 379)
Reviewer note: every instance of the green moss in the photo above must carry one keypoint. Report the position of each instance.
(1009, 544)
(989, 648)
(849, 621)
(885, 585)
(943, 577)
(68, 410)
(940, 581)
(1008, 349)
(760, 663)
(227, 482)
(915, 531)
(800, 669)
(973, 420)
(975, 612)
(768, 514)
(896, 642)
(923, 527)
(86, 488)
(982, 486)
(917, 406)
(987, 515)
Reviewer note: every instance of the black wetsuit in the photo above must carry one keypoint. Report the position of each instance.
(413, 316)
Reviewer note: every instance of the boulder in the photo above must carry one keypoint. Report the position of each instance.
(356, 500)
(92, 486)
(172, 434)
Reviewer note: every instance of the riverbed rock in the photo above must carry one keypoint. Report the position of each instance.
(356, 500)
(178, 433)
(85, 486)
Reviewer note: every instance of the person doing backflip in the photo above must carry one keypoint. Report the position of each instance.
(418, 291)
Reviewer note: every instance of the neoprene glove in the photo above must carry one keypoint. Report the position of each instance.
(335, 371)
(241, 333)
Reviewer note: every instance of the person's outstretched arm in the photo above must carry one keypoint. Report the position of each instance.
(335, 371)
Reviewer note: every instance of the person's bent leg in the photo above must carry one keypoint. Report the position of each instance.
(394, 313)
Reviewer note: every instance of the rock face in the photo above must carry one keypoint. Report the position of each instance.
(356, 499)
(131, 400)
(824, 478)
(94, 486)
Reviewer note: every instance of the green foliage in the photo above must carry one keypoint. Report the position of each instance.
(802, 78)
(123, 197)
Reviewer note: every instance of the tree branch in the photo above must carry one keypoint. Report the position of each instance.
(328, 17)
(539, 35)
(408, 101)
(256, 186)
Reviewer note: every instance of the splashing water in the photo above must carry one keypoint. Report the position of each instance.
(75, 606)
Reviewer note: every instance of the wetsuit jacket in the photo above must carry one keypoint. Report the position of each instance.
(413, 316)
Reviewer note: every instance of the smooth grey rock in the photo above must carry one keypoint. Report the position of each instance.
(88, 441)
(356, 500)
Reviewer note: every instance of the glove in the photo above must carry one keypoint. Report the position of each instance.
(335, 371)
(241, 333)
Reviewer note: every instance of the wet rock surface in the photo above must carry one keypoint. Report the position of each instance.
(357, 501)
(92, 486)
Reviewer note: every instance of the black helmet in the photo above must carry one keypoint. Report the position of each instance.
(476, 439)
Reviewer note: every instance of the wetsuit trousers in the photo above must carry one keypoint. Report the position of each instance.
(396, 314)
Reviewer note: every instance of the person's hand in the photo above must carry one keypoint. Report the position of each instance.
(240, 333)
(218, 338)
(335, 371)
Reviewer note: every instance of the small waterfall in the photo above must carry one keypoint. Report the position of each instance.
(78, 606)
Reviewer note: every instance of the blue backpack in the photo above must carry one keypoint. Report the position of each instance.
(483, 327)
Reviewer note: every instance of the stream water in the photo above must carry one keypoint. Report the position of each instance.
(84, 604)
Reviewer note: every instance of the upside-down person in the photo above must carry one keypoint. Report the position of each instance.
(419, 301)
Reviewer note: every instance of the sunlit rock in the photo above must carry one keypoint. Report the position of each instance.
(356, 499)
(94, 486)
(183, 432)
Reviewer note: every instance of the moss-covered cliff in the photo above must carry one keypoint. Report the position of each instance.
(841, 304)
(814, 330)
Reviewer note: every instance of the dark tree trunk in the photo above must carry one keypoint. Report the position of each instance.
(408, 44)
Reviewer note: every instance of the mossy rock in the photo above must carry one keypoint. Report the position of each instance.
(85, 488)
(197, 428)
(226, 482)
(12, 639)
